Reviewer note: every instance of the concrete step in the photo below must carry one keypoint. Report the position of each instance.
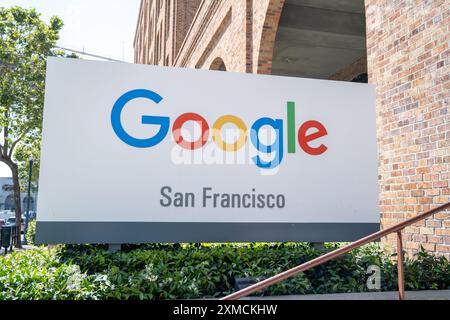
(388, 295)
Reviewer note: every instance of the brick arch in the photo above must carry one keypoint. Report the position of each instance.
(268, 36)
(218, 64)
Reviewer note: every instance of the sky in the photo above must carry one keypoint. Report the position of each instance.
(100, 27)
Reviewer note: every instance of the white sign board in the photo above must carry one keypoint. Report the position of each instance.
(136, 153)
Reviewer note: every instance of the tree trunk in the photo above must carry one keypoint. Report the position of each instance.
(16, 186)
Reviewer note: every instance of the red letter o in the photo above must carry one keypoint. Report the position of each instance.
(178, 124)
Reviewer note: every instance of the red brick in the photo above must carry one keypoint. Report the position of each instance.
(407, 60)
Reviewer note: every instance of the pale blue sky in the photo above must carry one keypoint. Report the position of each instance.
(101, 27)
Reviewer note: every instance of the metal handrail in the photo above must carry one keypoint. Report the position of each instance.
(338, 252)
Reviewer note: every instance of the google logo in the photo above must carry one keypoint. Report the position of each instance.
(303, 136)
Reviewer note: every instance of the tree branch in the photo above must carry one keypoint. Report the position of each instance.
(1, 146)
(13, 145)
(5, 137)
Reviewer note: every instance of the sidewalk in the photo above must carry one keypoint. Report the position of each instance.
(389, 295)
(24, 247)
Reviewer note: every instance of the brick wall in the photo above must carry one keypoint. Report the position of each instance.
(161, 29)
(204, 30)
(408, 60)
(183, 16)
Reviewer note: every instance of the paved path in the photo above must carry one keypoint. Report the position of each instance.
(24, 247)
(389, 295)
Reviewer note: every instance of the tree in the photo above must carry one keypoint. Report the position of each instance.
(25, 43)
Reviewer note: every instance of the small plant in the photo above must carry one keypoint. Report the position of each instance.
(427, 272)
(31, 232)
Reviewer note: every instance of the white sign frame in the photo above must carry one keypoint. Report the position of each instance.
(97, 188)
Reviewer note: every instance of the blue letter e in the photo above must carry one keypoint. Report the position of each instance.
(163, 122)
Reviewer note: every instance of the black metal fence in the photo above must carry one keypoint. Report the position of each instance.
(8, 236)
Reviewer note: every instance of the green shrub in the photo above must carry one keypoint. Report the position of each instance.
(38, 274)
(184, 271)
(31, 232)
(427, 272)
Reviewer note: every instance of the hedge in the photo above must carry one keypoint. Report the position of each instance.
(184, 271)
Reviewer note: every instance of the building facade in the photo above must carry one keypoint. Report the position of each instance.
(401, 46)
(7, 197)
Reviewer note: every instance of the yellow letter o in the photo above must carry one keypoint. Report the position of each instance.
(217, 128)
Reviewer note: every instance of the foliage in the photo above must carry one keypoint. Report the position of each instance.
(184, 271)
(38, 274)
(428, 272)
(31, 232)
(25, 41)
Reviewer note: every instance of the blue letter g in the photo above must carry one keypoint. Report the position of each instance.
(163, 122)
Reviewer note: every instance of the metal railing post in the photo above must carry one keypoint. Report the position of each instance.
(397, 228)
(400, 274)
